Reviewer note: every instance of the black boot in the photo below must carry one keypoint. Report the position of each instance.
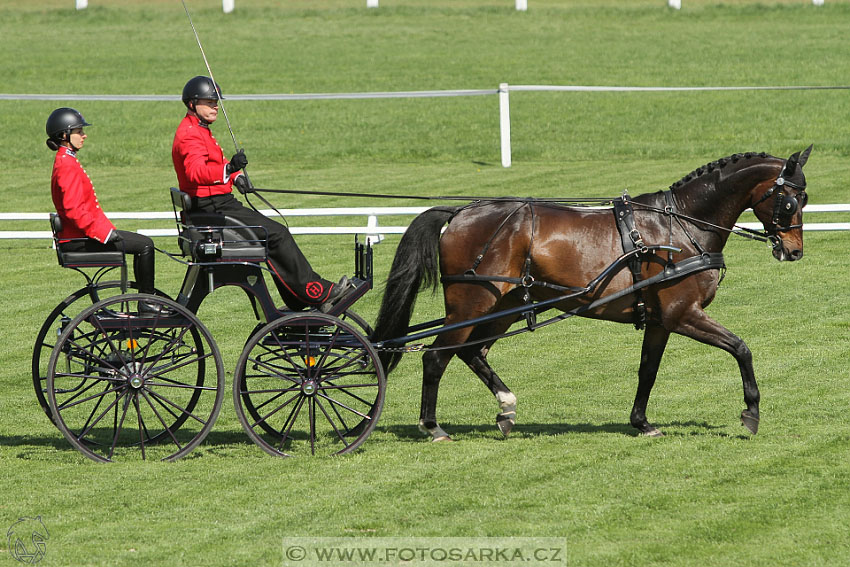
(143, 270)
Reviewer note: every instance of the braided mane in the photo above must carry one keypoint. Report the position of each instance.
(718, 164)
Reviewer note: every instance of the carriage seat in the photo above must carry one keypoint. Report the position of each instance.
(81, 259)
(210, 237)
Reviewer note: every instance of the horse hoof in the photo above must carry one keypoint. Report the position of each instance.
(653, 433)
(441, 439)
(506, 422)
(436, 432)
(750, 421)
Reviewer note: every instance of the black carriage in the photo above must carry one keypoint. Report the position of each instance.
(118, 383)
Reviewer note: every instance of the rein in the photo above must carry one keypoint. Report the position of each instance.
(576, 201)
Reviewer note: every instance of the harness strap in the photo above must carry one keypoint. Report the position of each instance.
(530, 316)
(489, 242)
(524, 281)
(632, 240)
(686, 267)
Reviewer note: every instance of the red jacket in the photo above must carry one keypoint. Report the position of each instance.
(75, 200)
(199, 161)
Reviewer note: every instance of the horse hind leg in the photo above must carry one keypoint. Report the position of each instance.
(434, 365)
(475, 356)
(476, 359)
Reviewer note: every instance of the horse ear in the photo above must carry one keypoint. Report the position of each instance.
(791, 164)
(804, 157)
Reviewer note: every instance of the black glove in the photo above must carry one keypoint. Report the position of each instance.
(114, 237)
(237, 162)
(243, 184)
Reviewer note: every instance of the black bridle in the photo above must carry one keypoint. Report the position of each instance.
(784, 208)
(784, 205)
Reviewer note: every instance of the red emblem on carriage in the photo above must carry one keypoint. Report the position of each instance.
(315, 290)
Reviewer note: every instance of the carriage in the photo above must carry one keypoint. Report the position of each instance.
(118, 383)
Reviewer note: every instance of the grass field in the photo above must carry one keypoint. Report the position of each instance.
(705, 495)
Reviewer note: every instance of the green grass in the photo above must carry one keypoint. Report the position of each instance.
(704, 495)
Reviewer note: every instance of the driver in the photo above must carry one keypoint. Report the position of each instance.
(208, 178)
(76, 203)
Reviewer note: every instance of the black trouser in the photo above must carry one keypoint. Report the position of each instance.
(299, 285)
(139, 245)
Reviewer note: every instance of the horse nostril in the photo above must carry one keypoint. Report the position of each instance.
(796, 254)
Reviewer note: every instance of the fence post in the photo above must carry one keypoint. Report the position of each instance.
(522, 5)
(82, 4)
(371, 3)
(505, 124)
(227, 6)
(677, 4)
(817, 2)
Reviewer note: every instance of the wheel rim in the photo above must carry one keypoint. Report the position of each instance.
(308, 384)
(125, 386)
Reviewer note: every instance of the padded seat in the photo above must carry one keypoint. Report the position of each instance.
(82, 258)
(233, 240)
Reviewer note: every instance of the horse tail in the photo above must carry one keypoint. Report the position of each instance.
(415, 267)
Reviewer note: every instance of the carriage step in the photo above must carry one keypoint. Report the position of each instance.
(116, 320)
(360, 289)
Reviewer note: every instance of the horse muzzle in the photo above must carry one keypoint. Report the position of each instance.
(783, 253)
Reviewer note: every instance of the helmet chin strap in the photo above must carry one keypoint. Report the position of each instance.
(70, 145)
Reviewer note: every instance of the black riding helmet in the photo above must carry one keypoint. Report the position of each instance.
(61, 121)
(200, 87)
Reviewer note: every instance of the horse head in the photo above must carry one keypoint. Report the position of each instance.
(780, 208)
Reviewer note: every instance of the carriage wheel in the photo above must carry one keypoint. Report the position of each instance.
(56, 322)
(348, 316)
(304, 382)
(123, 385)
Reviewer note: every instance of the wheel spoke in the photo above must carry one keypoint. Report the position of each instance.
(120, 426)
(163, 399)
(343, 406)
(328, 417)
(159, 417)
(290, 421)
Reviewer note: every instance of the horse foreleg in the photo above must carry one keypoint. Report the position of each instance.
(654, 342)
(476, 359)
(704, 329)
(434, 364)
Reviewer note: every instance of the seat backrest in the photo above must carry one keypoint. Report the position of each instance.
(55, 225)
(181, 203)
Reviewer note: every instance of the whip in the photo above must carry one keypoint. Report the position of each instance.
(209, 70)
(217, 89)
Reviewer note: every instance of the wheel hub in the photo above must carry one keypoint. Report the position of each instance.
(309, 387)
(136, 381)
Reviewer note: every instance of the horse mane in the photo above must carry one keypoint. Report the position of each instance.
(717, 164)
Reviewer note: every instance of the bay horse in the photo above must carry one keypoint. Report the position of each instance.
(502, 254)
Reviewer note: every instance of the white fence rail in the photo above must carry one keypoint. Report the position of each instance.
(372, 229)
(503, 91)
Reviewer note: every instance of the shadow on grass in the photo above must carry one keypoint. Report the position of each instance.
(529, 430)
(226, 442)
(215, 441)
